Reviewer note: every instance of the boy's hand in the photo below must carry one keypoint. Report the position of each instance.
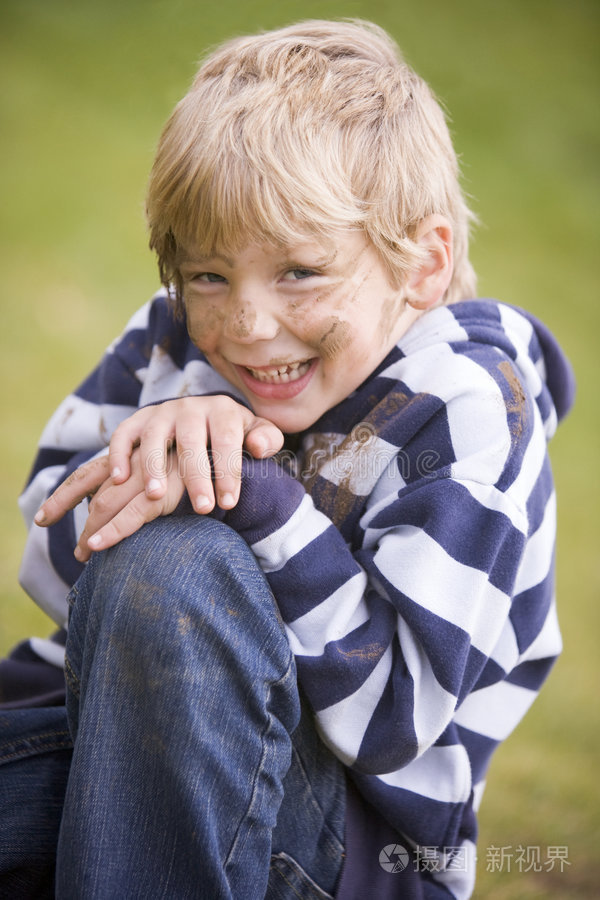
(134, 484)
(191, 425)
(83, 482)
(115, 510)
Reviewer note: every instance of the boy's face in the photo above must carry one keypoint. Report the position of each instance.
(295, 328)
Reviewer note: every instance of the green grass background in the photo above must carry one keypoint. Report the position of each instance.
(86, 87)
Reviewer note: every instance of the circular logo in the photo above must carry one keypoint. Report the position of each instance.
(393, 858)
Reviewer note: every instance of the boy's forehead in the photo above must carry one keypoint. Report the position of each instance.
(324, 249)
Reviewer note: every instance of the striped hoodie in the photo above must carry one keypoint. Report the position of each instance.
(408, 537)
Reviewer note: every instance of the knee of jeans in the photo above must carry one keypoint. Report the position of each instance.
(185, 575)
(170, 550)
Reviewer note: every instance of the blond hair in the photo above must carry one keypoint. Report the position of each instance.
(302, 131)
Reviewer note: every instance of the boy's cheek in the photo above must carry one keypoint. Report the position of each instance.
(324, 322)
(329, 336)
(201, 327)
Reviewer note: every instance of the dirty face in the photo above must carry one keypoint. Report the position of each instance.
(295, 328)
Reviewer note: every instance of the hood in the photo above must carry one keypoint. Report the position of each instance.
(543, 367)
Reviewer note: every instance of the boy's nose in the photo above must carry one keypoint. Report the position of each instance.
(248, 321)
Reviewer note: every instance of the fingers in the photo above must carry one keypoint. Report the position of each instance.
(218, 423)
(226, 441)
(107, 503)
(143, 471)
(193, 425)
(127, 435)
(83, 481)
(119, 510)
(194, 464)
(229, 428)
(263, 439)
(139, 510)
(144, 475)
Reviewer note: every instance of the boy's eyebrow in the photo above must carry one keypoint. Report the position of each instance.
(202, 259)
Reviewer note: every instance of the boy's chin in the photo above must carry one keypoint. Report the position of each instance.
(292, 424)
(289, 421)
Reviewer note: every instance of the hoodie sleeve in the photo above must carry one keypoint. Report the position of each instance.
(152, 361)
(79, 430)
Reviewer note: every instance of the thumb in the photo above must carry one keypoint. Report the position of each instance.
(262, 438)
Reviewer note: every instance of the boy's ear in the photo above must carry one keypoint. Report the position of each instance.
(428, 283)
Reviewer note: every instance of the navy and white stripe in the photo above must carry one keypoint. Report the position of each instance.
(410, 548)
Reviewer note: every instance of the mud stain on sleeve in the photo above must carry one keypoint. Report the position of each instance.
(369, 651)
(517, 410)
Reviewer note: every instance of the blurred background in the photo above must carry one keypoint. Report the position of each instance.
(86, 88)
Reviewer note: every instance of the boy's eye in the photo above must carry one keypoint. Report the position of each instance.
(298, 274)
(210, 277)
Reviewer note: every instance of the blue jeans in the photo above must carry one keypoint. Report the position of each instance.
(196, 769)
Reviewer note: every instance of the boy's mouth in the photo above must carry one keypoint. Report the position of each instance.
(280, 374)
(278, 382)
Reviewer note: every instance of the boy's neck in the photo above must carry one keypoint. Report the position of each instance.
(405, 321)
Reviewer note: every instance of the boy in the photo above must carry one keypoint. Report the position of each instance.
(314, 715)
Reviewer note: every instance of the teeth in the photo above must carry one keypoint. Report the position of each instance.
(280, 374)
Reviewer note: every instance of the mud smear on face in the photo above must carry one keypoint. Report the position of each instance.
(243, 322)
(201, 324)
(358, 281)
(359, 278)
(335, 339)
(212, 318)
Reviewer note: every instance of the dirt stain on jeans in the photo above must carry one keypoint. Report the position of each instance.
(184, 625)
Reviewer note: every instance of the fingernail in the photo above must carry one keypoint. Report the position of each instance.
(116, 472)
(94, 540)
(153, 486)
(227, 500)
(202, 502)
(40, 517)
